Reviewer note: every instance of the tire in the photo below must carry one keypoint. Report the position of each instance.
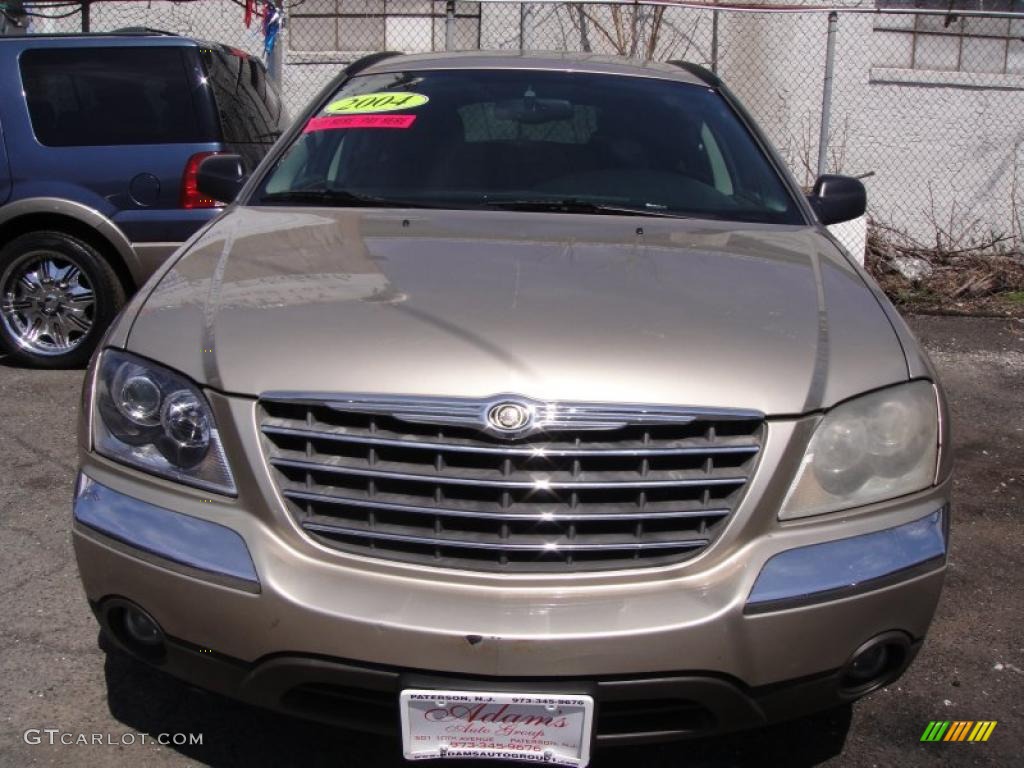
(58, 294)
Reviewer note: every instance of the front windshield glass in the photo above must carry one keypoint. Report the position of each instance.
(530, 140)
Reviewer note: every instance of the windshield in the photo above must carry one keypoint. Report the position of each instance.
(530, 140)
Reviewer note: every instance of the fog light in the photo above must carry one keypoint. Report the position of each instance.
(868, 664)
(133, 629)
(141, 628)
(876, 663)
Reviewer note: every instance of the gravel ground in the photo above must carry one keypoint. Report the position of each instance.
(54, 673)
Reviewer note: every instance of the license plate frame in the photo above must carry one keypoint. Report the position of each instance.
(497, 725)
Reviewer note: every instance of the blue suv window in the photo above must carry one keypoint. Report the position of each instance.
(105, 96)
(250, 112)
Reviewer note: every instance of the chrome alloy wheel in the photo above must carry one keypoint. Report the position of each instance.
(47, 303)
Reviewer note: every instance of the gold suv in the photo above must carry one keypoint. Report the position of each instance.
(517, 405)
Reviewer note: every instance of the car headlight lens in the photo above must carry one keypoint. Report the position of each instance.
(138, 399)
(873, 448)
(155, 419)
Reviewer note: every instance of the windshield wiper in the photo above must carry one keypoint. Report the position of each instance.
(338, 197)
(574, 205)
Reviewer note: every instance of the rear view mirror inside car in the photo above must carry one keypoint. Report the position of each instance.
(533, 111)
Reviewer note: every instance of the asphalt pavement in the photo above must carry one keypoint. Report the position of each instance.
(57, 683)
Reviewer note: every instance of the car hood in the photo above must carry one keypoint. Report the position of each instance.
(548, 306)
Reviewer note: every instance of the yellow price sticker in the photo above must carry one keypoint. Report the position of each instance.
(376, 102)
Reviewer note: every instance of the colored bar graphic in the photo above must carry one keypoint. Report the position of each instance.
(982, 730)
(935, 730)
(958, 730)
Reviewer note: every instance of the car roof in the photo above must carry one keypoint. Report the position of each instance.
(154, 37)
(549, 61)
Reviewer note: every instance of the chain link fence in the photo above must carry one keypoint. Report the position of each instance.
(925, 103)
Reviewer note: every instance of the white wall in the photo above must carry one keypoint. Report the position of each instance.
(943, 146)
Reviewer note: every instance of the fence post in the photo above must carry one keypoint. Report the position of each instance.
(826, 93)
(714, 40)
(522, 26)
(85, 16)
(449, 25)
(275, 62)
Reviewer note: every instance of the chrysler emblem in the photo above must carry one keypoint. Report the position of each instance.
(508, 417)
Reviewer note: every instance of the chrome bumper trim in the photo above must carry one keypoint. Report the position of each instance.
(834, 569)
(180, 538)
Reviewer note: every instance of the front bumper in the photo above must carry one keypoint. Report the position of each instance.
(630, 709)
(307, 635)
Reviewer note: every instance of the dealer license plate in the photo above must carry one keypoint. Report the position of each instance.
(531, 727)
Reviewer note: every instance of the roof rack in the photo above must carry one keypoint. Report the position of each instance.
(140, 31)
(124, 32)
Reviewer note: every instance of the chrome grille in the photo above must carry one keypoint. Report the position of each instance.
(589, 487)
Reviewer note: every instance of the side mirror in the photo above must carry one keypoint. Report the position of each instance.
(838, 198)
(221, 177)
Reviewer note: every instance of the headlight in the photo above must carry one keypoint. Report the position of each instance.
(876, 447)
(157, 420)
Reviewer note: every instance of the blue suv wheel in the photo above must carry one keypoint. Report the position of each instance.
(57, 296)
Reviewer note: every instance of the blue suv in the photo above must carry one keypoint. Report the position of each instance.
(101, 137)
